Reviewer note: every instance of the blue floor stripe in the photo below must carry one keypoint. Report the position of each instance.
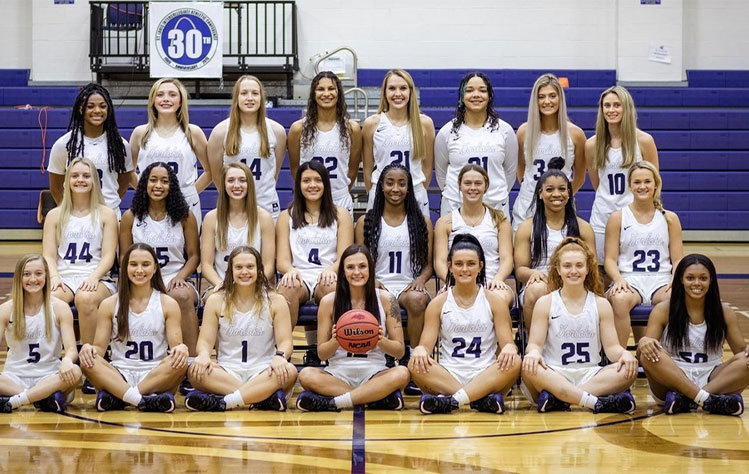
(357, 442)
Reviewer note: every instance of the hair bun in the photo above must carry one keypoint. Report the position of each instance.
(556, 163)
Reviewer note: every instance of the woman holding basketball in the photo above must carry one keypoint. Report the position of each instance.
(479, 362)
(355, 379)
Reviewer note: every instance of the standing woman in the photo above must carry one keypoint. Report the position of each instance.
(643, 244)
(617, 145)
(161, 218)
(328, 135)
(476, 136)
(169, 137)
(547, 133)
(93, 133)
(250, 137)
(399, 133)
(37, 327)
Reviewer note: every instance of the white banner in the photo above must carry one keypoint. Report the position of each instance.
(186, 39)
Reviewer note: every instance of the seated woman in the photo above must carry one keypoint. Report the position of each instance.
(355, 379)
(478, 359)
(570, 326)
(36, 327)
(141, 324)
(252, 328)
(682, 350)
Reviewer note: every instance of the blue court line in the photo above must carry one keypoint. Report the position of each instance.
(357, 442)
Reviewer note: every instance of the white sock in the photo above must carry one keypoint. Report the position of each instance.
(588, 400)
(19, 400)
(132, 396)
(233, 400)
(701, 397)
(311, 336)
(343, 401)
(461, 397)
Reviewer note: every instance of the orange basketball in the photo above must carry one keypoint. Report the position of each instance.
(357, 331)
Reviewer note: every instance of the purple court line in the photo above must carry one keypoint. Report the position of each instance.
(357, 442)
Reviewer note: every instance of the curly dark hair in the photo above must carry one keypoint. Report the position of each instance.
(309, 129)
(176, 206)
(460, 111)
(417, 228)
(115, 147)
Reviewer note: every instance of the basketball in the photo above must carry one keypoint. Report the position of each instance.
(357, 331)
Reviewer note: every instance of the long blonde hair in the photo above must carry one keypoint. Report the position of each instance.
(183, 117)
(262, 286)
(628, 129)
(95, 197)
(233, 137)
(646, 165)
(222, 207)
(18, 317)
(533, 125)
(592, 280)
(498, 216)
(418, 143)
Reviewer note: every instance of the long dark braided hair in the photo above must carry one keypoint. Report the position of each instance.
(417, 228)
(309, 129)
(115, 147)
(460, 111)
(176, 206)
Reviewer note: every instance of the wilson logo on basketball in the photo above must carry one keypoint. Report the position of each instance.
(357, 332)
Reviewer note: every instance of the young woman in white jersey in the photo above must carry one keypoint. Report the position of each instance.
(93, 134)
(161, 218)
(643, 244)
(328, 135)
(682, 350)
(476, 136)
(248, 136)
(171, 138)
(570, 327)
(616, 146)
(36, 327)
(399, 133)
(490, 226)
(554, 218)
(399, 237)
(547, 133)
(356, 379)
(236, 221)
(141, 324)
(479, 362)
(250, 325)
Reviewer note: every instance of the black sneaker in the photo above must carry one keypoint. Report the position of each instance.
(105, 401)
(732, 404)
(309, 401)
(394, 401)
(5, 405)
(622, 402)
(201, 401)
(311, 359)
(412, 390)
(276, 402)
(88, 387)
(389, 361)
(54, 403)
(406, 357)
(158, 402)
(678, 403)
(185, 387)
(433, 404)
(492, 403)
(548, 402)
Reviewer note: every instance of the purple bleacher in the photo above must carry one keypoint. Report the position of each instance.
(601, 78)
(14, 77)
(718, 78)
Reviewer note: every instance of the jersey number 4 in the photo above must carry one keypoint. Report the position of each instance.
(254, 167)
(72, 255)
(474, 348)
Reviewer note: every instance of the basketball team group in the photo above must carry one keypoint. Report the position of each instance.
(137, 341)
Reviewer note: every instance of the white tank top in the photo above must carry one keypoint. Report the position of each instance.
(247, 341)
(573, 339)
(393, 265)
(176, 152)
(79, 251)
(146, 345)
(612, 193)
(375, 357)
(313, 248)
(263, 168)
(644, 247)
(234, 238)
(487, 234)
(34, 356)
(553, 239)
(327, 149)
(467, 337)
(393, 145)
(693, 354)
(167, 240)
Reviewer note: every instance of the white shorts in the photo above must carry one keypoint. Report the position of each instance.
(244, 374)
(273, 208)
(422, 199)
(133, 376)
(25, 382)
(169, 278)
(396, 288)
(575, 375)
(463, 374)
(74, 282)
(447, 206)
(647, 284)
(193, 202)
(699, 375)
(520, 212)
(600, 245)
(345, 201)
(355, 375)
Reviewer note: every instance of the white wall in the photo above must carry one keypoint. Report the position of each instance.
(59, 41)
(16, 50)
(716, 34)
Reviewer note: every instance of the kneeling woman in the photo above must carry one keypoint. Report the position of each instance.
(253, 332)
(36, 327)
(682, 350)
(570, 326)
(355, 379)
(478, 360)
(142, 325)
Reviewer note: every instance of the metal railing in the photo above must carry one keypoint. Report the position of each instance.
(355, 90)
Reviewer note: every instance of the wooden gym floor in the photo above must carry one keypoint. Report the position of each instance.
(83, 440)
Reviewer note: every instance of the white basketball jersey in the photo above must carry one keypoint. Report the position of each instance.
(487, 235)
(393, 145)
(234, 238)
(467, 337)
(34, 355)
(167, 240)
(613, 193)
(572, 339)
(263, 168)
(247, 341)
(694, 354)
(79, 251)
(553, 239)
(176, 152)
(393, 265)
(644, 247)
(146, 345)
(373, 358)
(327, 149)
(313, 249)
